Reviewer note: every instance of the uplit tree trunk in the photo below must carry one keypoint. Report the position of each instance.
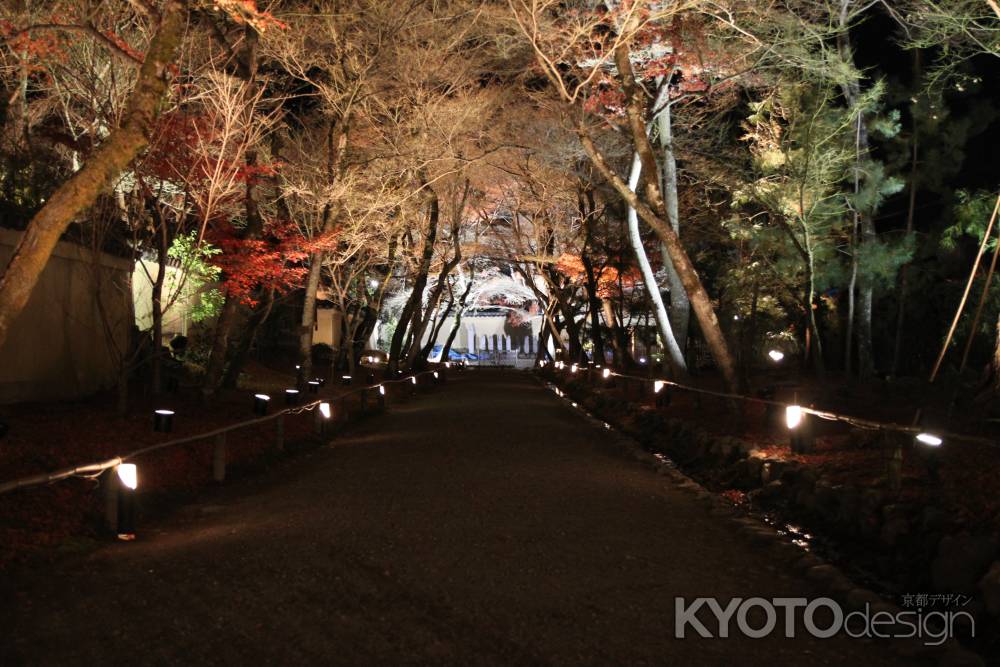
(216, 365)
(700, 301)
(817, 348)
(78, 193)
(586, 207)
(575, 348)
(420, 282)
(463, 300)
(308, 320)
(680, 305)
(157, 308)
(428, 347)
(414, 358)
(861, 316)
(675, 354)
(336, 142)
(618, 340)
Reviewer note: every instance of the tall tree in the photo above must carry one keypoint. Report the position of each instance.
(115, 153)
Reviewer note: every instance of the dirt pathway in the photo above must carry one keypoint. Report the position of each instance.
(485, 523)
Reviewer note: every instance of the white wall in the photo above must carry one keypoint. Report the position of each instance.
(176, 319)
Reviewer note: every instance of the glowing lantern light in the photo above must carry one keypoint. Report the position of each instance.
(658, 385)
(642, 360)
(128, 474)
(776, 355)
(291, 396)
(793, 416)
(572, 369)
(163, 421)
(436, 376)
(128, 477)
(606, 373)
(413, 379)
(381, 389)
(324, 409)
(313, 386)
(930, 439)
(260, 403)
(345, 379)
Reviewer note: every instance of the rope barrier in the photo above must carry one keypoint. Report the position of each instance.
(857, 422)
(95, 469)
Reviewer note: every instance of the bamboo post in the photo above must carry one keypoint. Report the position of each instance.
(965, 295)
(219, 458)
(979, 307)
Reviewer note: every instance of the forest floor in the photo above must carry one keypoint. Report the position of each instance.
(962, 476)
(46, 521)
(485, 523)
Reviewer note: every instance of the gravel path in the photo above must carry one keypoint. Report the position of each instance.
(485, 523)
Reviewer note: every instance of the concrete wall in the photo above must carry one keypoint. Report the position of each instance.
(176, 319)
(61, 346)
(327, 328)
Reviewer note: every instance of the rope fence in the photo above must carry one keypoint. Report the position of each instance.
(851, 420)
(91, 470)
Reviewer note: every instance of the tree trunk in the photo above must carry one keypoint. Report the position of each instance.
(618, 341)
(238, 357)
(910, 213)
(680, 305)
(413, 359)
(417, 295)
(436, 331)
(78, 193)
(336, 142)
(586, 214)
(463, 300)
(216, 365)
(157, 308)
(700, 301)
(227, 318)
(675, 354)
(308, 320)
(863, 224)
